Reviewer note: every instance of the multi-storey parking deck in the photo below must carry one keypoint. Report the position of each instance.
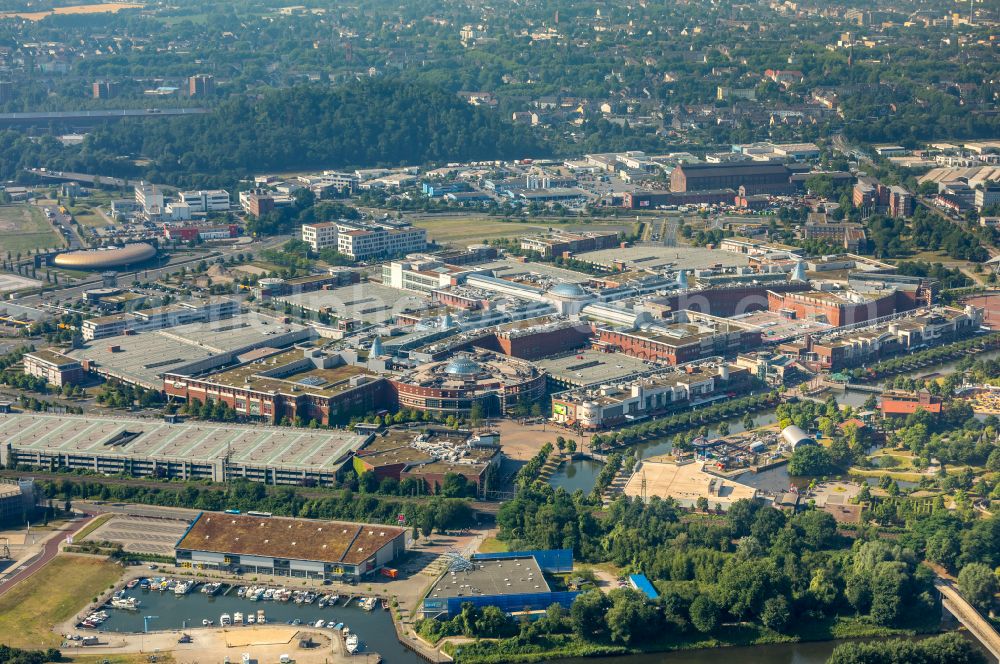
(187, 451)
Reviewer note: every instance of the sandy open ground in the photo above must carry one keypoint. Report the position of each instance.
(522, 441)
(98, 8)
(264, 644)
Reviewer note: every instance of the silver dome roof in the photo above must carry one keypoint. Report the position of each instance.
(462, 365)
(567, 289)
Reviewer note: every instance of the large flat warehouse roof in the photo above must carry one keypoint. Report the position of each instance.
(511, 576)
(369, 302)
(290, 539)
(589, 367)
(663, 258)
(257, 446)
(143, 358)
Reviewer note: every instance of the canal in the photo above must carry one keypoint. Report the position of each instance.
(782, 653)
(582, 473)
(173, 612)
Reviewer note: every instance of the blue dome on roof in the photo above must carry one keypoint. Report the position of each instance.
(462, 366)
(567, 289)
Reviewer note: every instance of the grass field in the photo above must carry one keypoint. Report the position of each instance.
(133, 658)
(92, 526)
(24, 227)
(493, 545)
(473, 229)
(54, 594)
(98, 8)
(86, 216)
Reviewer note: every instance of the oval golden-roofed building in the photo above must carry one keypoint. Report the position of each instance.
(100, 259)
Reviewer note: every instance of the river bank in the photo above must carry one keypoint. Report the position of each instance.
(817, 638)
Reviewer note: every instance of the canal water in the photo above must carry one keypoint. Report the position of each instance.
(582, 473)
(786, 653)
(172, 612)
(782, 653)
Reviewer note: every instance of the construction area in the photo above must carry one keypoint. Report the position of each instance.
(758, 450)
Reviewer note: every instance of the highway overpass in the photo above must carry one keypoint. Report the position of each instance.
(91, 118)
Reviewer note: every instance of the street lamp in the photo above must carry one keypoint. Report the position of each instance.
(145, 630)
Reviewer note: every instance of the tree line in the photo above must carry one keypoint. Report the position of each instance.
(376, 122)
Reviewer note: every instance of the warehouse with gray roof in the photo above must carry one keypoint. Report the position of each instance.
(154, 448)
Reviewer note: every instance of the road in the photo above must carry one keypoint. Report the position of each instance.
(62, 120)
(49, 551)
(75, 291)
(129, 509)
(841, 145)
(926, 202)
(99, 180)
(60, 221)
(966, 614)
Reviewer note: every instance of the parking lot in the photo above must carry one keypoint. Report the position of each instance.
(139, 534)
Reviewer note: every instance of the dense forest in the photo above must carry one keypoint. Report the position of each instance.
(369, 123)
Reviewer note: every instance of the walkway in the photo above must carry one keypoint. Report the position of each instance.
(966, 614)
(48, 552)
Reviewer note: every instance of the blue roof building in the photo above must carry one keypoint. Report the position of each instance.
(642, 584)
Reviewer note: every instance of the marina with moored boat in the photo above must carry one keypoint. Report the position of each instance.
(188, 604)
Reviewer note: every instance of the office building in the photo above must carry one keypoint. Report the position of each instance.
(104, 89)
(301, 384)
(988, 195)
(850, 235)
(900, 202)
(257, 202)
(365, 241)
(149, 198)
(725, 93)
(429, 455)
(203, 202)
(201, 85)
(57, 369)
(321, 235)
(634, 400)
(559, 243)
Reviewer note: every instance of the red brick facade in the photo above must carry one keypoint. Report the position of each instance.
(679, 351)
(272, 407)
(836, 312)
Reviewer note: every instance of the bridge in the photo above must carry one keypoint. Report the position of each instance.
(96, 180)
(89, 118)
(970, 618)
